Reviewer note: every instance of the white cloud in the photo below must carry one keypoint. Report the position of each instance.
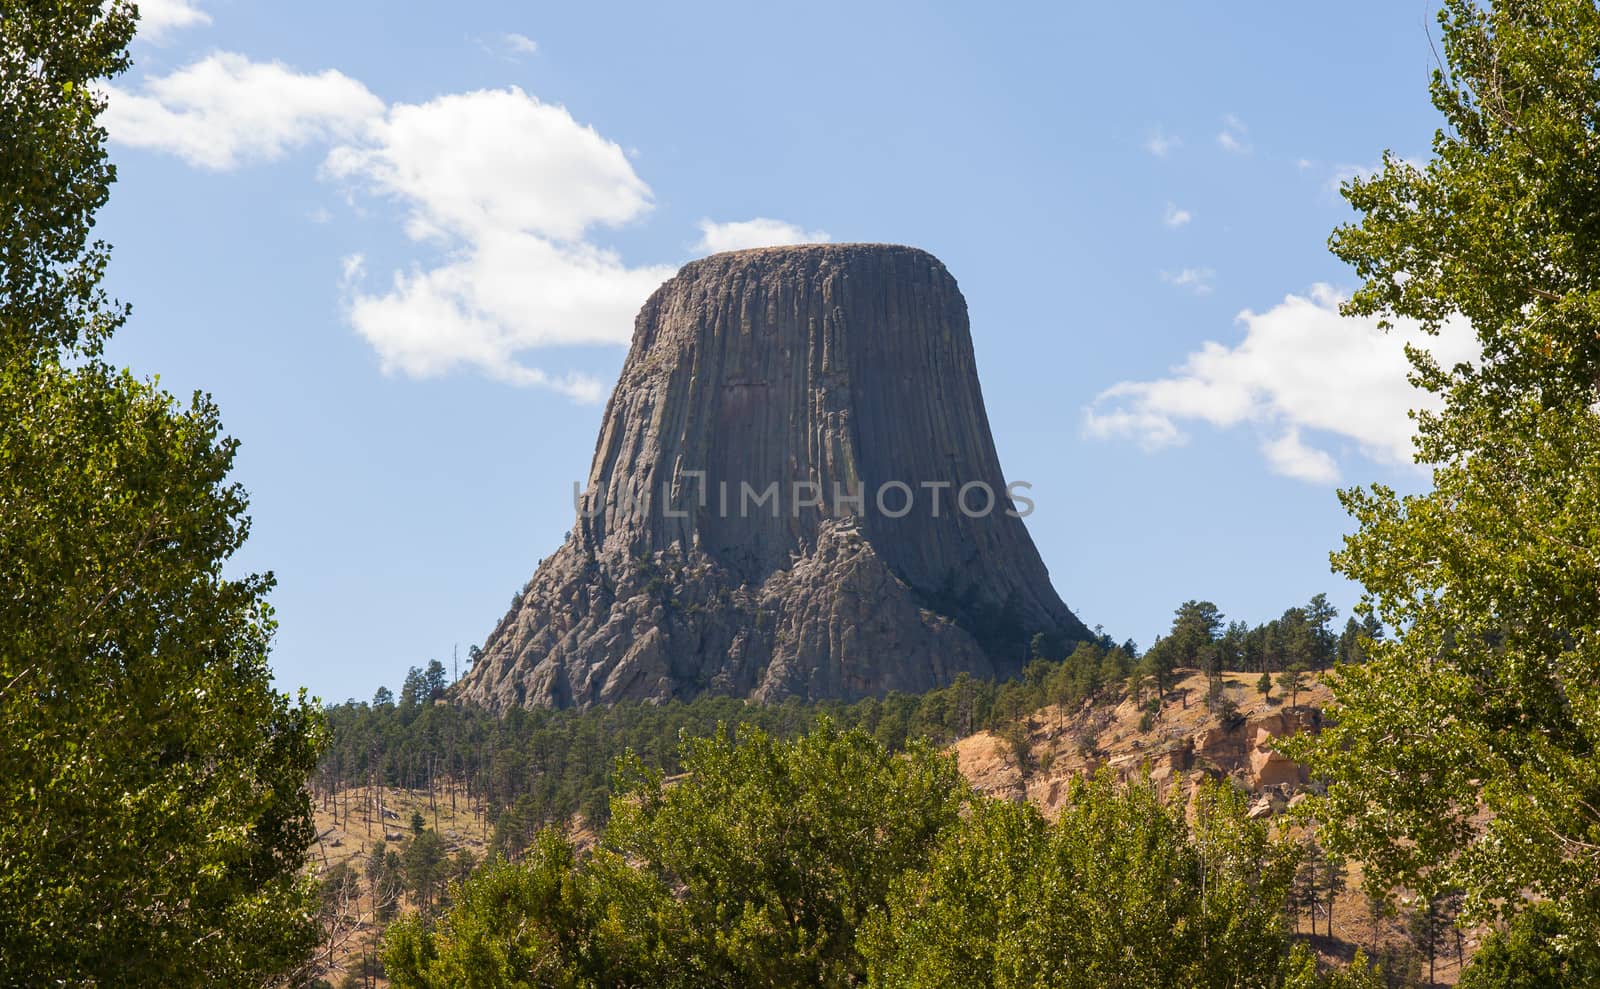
(225, 110)
(509, 188)
(759, 232)
(493, 160)
(1196, 280)
(507, 293)
(1161, 144)
(1234, 137)
(159, 17)
(1175, 217)
(1288, 456)
(502, 189)
(520, 44)
(1300, 367)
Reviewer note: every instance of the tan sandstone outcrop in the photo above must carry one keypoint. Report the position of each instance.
(1186, 741)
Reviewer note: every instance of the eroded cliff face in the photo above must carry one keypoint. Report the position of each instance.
(1179, 739)
(794, 493)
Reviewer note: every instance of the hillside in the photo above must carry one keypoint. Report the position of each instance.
(1180, 736)
(1032, 757)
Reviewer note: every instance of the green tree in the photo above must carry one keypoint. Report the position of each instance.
(461, 866)
(1230, 647)
(1319, 613)
(413, 691)
(756, 867)
(1349, 648)
(1335, 881)
(1527, 955)
(1116, 664)
(1300, 972)
(952, 924)
(1290, 681)
(54, 174)
(547, 922)
(1297, 641)
(426, 868)
(1428, 926)
(153, 813)
(1157, 666)
(1120, 891)
(434, 681)
(781, 850)
(1488, 698)
(1194, 633)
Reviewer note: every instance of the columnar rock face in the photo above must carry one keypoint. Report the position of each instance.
(794, 493)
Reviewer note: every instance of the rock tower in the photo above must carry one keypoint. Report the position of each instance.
(794, 493)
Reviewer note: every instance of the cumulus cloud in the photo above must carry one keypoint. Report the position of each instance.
(226, 110)
(1301, 367)
(501, 194)
(471, 163)
(158, 18)
(1196, 280)
(1162, 144)
(759, 232)
(1234, 137)
(509, 189)
(1175, 217)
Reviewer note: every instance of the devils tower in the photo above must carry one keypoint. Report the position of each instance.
(794, 493)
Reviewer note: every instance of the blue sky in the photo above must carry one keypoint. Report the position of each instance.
(401, 244)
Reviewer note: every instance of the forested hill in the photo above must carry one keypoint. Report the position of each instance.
(531, 767)
(476, 786)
